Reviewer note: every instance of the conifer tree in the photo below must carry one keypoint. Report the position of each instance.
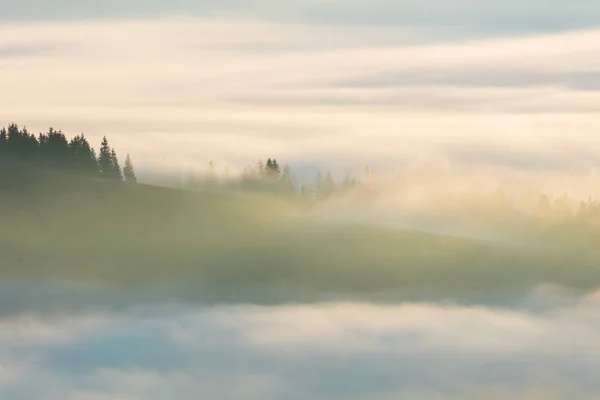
(105, 160)
(128, 171)
(3, 141)
(116, 168)
(276, 171)
(83, 156)
(260, 169)
(54, 148)
(288, 180)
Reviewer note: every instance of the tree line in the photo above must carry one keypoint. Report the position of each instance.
(52, 149)
(269, 176)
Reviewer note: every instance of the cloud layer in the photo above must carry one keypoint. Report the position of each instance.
(327, 351)
(461, 17)
(182, 91)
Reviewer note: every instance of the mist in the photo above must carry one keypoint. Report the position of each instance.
(305, 200)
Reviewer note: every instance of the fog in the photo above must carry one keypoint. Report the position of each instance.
(116, 291)
(329, 350)
(452, 253)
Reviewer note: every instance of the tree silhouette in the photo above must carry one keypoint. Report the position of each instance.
(288, 181)
(3, 142)
(272, 170)
(54, 148)
(83, 156)
(128, 171)
(108, 162)
(104, 158)
(116, 168)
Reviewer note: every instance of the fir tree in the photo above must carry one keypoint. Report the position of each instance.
(107, 161)
(275, 170)
(3, 141)
(104, 160)
(116, 168)
(288, 180)
(128, 171)
(83, 156)
(54, 148)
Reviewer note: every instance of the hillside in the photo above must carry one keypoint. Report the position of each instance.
(62, 227)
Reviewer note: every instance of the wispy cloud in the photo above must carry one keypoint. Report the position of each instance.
(180, 91)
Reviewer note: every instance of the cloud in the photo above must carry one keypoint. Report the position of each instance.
(326, 350)
(461, 18)
(178, 92)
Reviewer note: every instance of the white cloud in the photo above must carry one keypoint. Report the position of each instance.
(182, 91)
(327, 350)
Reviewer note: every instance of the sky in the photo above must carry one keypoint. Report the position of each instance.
(329, 84)
(314, 83)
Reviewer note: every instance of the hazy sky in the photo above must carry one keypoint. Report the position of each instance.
(311, 82)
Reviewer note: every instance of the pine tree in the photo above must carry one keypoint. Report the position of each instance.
(3, 141)
(128, 171)
(14, 140)
(276, 171)
(116, 168)
(83, 156)
(54, 148)
(105, 159)
(260, 169)
(288, 180)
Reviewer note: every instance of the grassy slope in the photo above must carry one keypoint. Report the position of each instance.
(57, 226)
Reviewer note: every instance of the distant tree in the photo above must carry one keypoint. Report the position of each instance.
(348, 183)
(28, 145)
(272, 169)
(329, 185)
(116, 173)
(104, 159)
(318, 185)
(288, 180)
(54, 148)
(260, 169)
(3, 141)
(14, 141)
(108, 162)
(128, 171)
(211, 179)
(276, 169)
(83, 156)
